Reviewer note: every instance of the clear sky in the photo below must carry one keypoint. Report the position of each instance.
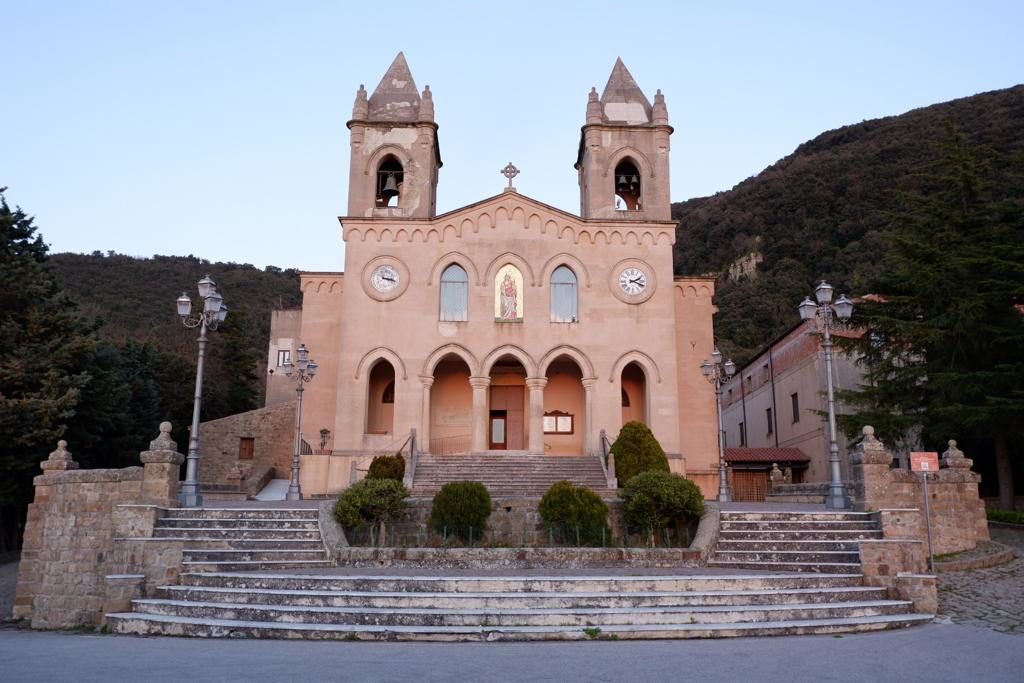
(217, 128)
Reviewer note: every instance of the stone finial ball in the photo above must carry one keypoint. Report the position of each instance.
(952, 443)
(62, 444)
(165, 427)
(868, 430)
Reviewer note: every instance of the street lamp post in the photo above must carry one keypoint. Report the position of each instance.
(718, 374)
(300, 373)
(823, 313)
(213, 314)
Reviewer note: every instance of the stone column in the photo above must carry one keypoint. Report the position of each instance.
(480, 386)
(424, 442)
(161, 464)
(589, 384)
(536, 386)
(869, 464)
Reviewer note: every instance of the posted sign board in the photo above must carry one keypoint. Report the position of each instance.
(924, 462)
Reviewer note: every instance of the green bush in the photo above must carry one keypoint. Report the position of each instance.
(1008, 516)
(655, 500)
(576, 513)
(371, 502)
(636, 450)
(387, 467)
(461, 508)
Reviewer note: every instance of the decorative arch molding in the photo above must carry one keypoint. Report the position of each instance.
(508, 350)
(448, 259)
(580, 358)
(373, 355)
(569, 260)
(647, 363)
(390, 149)
(450, 350)
(641, 160)
(517, 261)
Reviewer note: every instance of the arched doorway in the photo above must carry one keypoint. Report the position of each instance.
(451, 407)
(380, 399)
(634, 394)
(565, 408)
(506, 424)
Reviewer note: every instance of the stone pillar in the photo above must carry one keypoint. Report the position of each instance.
(870, 464)
(424, 443)
(161, 467)
(480, 386)
(536, 386)
(589, 384)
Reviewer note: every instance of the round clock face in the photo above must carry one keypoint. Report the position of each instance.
(632, 281)
(384, 278)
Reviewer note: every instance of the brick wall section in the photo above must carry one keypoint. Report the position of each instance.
(957, 513)
(74, 529)
(272, 428)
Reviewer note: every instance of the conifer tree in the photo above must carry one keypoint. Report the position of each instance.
(944, 342)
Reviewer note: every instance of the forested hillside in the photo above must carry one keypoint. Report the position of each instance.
(824, 211)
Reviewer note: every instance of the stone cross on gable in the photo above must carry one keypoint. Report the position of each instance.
(510, 172)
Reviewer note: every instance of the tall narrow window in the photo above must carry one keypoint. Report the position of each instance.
(743, 435)
(796, 407)
(454, 294)
(564, 299)
(771, 423)
(389, 182)
(627, 186)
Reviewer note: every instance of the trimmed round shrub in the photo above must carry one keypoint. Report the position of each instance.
(636, 450)
(461, 508)
(387, 467)
(576, 514)
(656, 500)
(371, 502)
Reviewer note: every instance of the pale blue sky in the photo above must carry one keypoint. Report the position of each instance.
(218, 128)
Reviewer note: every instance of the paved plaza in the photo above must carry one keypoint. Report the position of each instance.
(989, 598)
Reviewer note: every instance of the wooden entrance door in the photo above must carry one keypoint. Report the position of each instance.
(749, 485)
(509, 400)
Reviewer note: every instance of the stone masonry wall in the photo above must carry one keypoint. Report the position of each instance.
(73, 529)
(957, 513)
(272, 428)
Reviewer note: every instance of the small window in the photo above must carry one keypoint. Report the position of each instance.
(564, 299)
(284, 357)
(771, 423)
(750, 382)
(625, 399)
(454, 294)
(765, 373)
(246, 448)
(743, 435)
(796, 407)
(627, 186)
(389, 394)
(557, 422)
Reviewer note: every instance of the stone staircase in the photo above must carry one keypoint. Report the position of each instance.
(509, 474)
(245, 539)
(822, 542)
(483, 608)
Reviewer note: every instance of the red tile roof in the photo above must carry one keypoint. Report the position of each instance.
(768, 455)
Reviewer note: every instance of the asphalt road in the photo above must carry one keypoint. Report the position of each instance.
(936, 652)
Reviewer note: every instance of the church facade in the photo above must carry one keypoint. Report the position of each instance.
(506, 325)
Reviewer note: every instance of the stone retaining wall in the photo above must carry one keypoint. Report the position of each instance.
(273, 432)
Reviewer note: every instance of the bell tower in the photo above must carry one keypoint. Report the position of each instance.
(395, 155)
(623, 153)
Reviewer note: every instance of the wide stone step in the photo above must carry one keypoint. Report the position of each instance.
(801, 545)
(823, 535)
(783, 516)
(797, 525)
(249, 543)
(235, 533)
(251, 555)
(236, 523)
(252, 565)
(518, 584)
(243, 513)
(826, 556)
(504, 600)
(391, 616)
(843, 568)
(173, 625)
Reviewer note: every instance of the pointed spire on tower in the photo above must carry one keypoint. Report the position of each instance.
(396, 97)
(593, 107)
(622, 99)
(426, 105)
(361, 109)
(659, 114)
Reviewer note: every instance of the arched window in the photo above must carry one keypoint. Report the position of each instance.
(627, 186)
(564, 299)
(389, 393)
(389, 181)
(454, 294)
